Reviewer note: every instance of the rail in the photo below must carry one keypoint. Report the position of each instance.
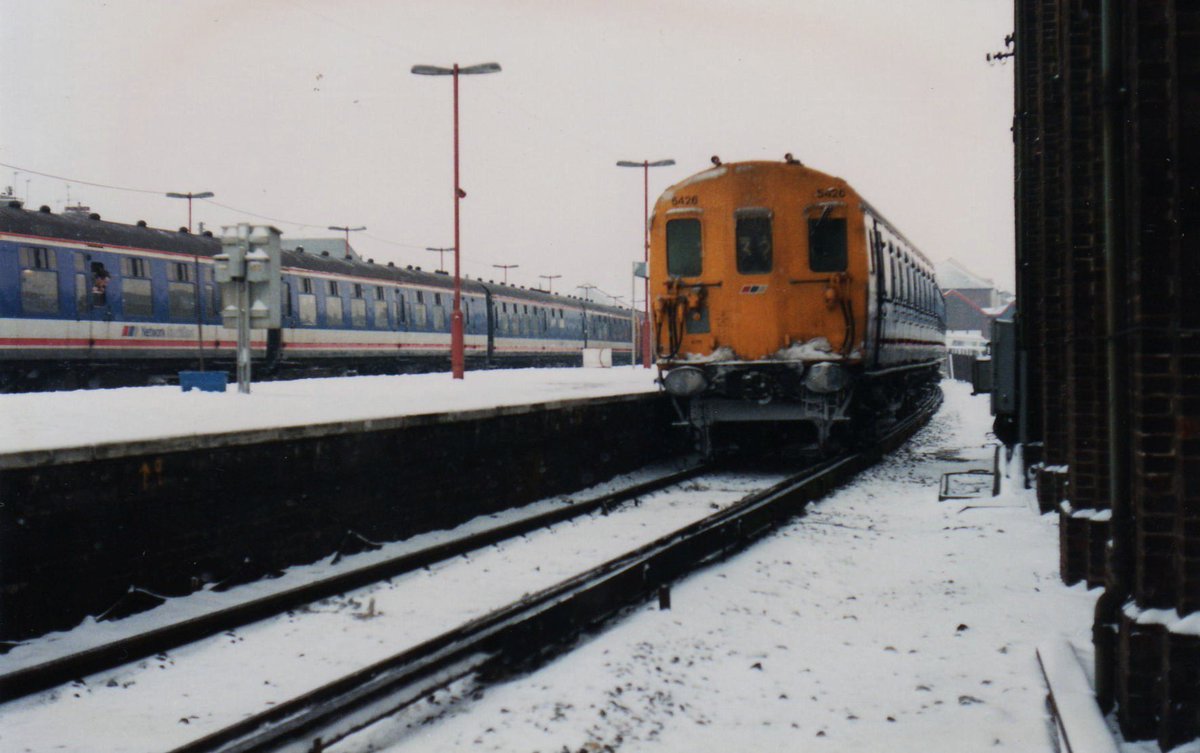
(57, 671)
(521, 630)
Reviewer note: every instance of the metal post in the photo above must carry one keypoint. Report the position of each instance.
(646, 351)
(457, 366)
(1120, 554)
(633, 317)
(243, 333)
(457, 357)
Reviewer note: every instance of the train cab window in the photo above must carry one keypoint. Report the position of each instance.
(684, 257)
(39, 281)
(753, 242)
(827, 243)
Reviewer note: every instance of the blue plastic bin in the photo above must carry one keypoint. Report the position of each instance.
(206, 381)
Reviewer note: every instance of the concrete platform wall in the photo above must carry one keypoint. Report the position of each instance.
(76, 535)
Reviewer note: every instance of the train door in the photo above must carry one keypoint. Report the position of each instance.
(93, 299)
(490, 308)
(880, 287)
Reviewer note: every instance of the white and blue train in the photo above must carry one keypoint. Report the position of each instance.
(88, 303)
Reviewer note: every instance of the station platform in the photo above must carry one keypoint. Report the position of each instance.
(155, 490)
(56, 427)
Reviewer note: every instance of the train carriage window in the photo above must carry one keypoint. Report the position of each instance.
(333, 307)
(181, 293)
(307, 304)
(381, 309)
(753, 242)
(83, 301)
(358, 290)
(358, 312)
(39, 281)
(401, 313)
(333, 288)
(136, 297)
(827, 243)
(306, 285)
(439, 317)
(181, 301)
(684, 253)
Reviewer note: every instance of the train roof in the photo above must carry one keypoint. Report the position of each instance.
(726, 168)
(90, 228)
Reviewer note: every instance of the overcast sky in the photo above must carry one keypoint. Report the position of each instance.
(305, 112)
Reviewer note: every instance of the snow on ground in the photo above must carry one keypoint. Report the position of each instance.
(51, 420)
(883, 620)
(164, 701)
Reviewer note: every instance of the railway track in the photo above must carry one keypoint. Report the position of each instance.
(527, 627)
(49, 674)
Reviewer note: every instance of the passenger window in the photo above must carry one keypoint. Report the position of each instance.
(753, 244)
(136, 297)
(683, 248)
(39, 281)
(827, 244)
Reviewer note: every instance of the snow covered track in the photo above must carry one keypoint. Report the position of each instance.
(48, 674)
(524, 628)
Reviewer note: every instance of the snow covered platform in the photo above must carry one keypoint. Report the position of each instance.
(55, 427)
(168, 491)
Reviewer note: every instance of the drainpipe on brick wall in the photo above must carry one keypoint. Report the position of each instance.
(1118, 588)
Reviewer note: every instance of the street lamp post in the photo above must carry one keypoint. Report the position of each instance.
(549, 281)
(189, 196)
(347, 230)
(506, 267)
(441, 255)
(457, 359)
(646, 165)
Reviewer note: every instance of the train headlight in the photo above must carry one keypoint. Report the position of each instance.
(685, 381)
(826, 377)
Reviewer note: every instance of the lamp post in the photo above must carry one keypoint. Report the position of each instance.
(506, 267)
(549, 281)
(189, 196)
(646, 165)
(347, 230)
(441, 255)
(457, 366)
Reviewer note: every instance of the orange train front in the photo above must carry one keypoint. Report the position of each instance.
(785, 307)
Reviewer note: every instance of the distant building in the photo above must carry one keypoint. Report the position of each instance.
(336, 247)
(972, 304)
